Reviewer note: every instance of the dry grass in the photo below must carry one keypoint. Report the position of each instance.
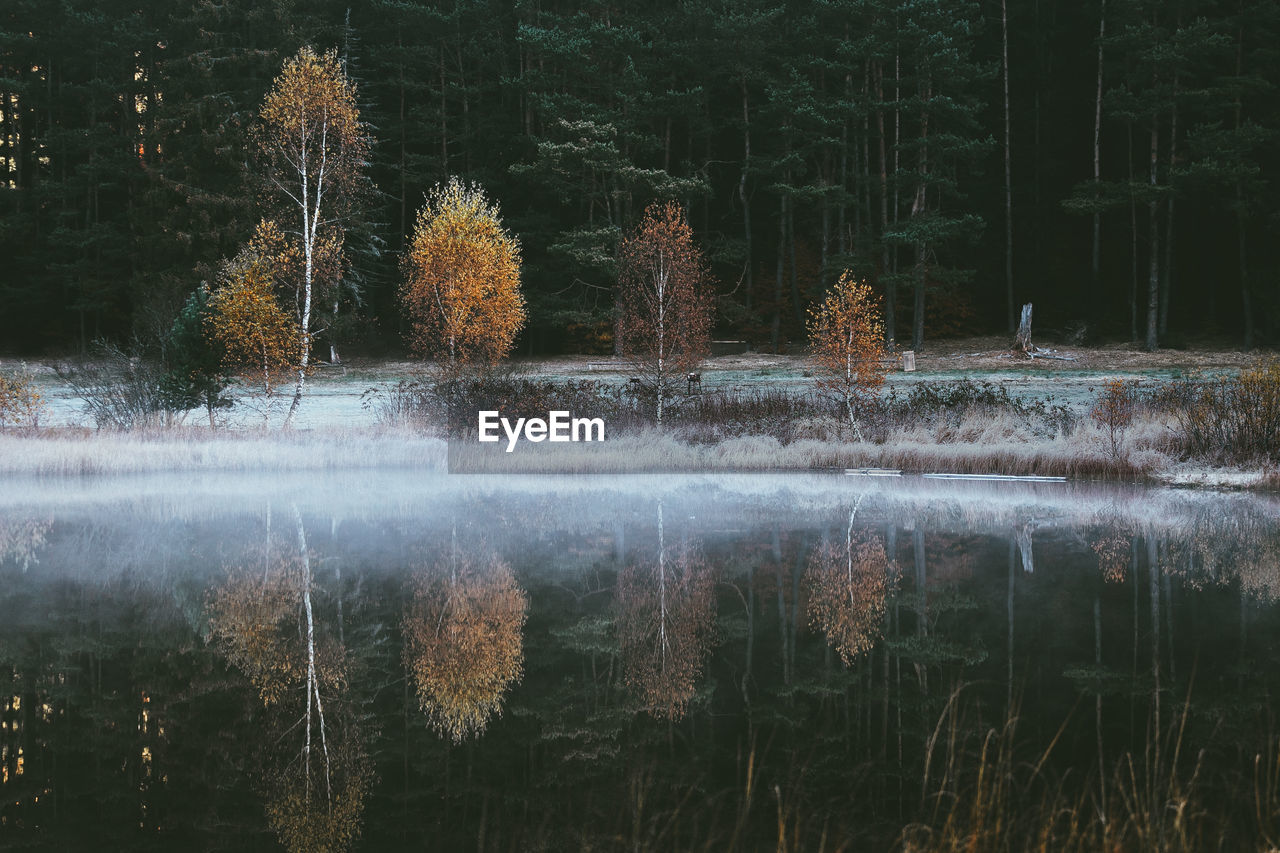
(80, 452)
(973, 448)
(979, 443)
(987, 794)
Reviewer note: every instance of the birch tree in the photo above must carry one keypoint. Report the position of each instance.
(664, 301)
(256, 337)
(311, 149)
(846, 339)
(461, 286)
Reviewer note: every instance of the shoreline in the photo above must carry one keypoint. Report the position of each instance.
(61, 452)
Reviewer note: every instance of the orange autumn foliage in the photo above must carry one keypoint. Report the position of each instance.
(847, 586)
(253, 620)
(461, 285)
(464, 645)
(664, 300)
(21, 403)
(306, 822)
(1113, 548)
(846, 340)
(257, 337)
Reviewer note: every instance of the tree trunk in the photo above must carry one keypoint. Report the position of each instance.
(1242, 260)
(1153, 260)
(404, 167)
(922, 597)
(1022, 342)
(1166, 281)
(444, 119)
(1008, 608)
(890, 286)
(1096, 257)
(797, 308)
(917, 321)
(1008, 170)
(1133, 247)
(1097, 701)
(1242, 255)
(775, 330)
(1153, 589)
(742, 192)
(919, 208)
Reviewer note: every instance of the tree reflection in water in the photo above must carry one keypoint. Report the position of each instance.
(313, 770)
(21, 538)
(665, 617)
(847, 586)
(1142, 707)
(463, 641)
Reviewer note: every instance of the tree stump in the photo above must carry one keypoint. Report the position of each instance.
(1022, 343)
(908, 361)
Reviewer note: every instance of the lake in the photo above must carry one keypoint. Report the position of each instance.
(384, 661)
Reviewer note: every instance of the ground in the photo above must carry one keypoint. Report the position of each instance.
(334, 392)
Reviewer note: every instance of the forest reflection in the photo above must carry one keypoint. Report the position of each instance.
(835, 668)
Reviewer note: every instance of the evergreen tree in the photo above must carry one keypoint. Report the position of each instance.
(196, 375)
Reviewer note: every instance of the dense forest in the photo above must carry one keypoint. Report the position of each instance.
(1111, 161)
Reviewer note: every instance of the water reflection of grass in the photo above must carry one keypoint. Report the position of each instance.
(979, 790)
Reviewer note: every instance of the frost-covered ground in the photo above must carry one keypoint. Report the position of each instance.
(334, 394)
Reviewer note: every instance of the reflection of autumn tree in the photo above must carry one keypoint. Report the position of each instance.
(314, 770)
(1113, 547)
(665, 617)
(20, 538)
(847, 585)
(464, 646)
(251, 616)
(304, 820)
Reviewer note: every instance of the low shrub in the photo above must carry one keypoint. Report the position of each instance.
(950, 404)
(21, 404)
(120, 390)
(777, 413)
(1233, 420)
(449, 406)
(407, 403)
(1113, 410)
(950, 411)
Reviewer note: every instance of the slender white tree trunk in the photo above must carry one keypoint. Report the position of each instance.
(313, 681)
(662, 591)
(310, 228)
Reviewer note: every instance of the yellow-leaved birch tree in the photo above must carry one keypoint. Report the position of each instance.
(311, 148)
(846, 339)
(257, 337)
(461, 288)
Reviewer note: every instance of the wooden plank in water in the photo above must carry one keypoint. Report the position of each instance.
(873, 472)
(1027, 478)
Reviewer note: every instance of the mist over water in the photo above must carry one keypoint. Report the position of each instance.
(380, 660)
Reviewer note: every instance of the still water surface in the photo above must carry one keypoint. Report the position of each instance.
(382, 661)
